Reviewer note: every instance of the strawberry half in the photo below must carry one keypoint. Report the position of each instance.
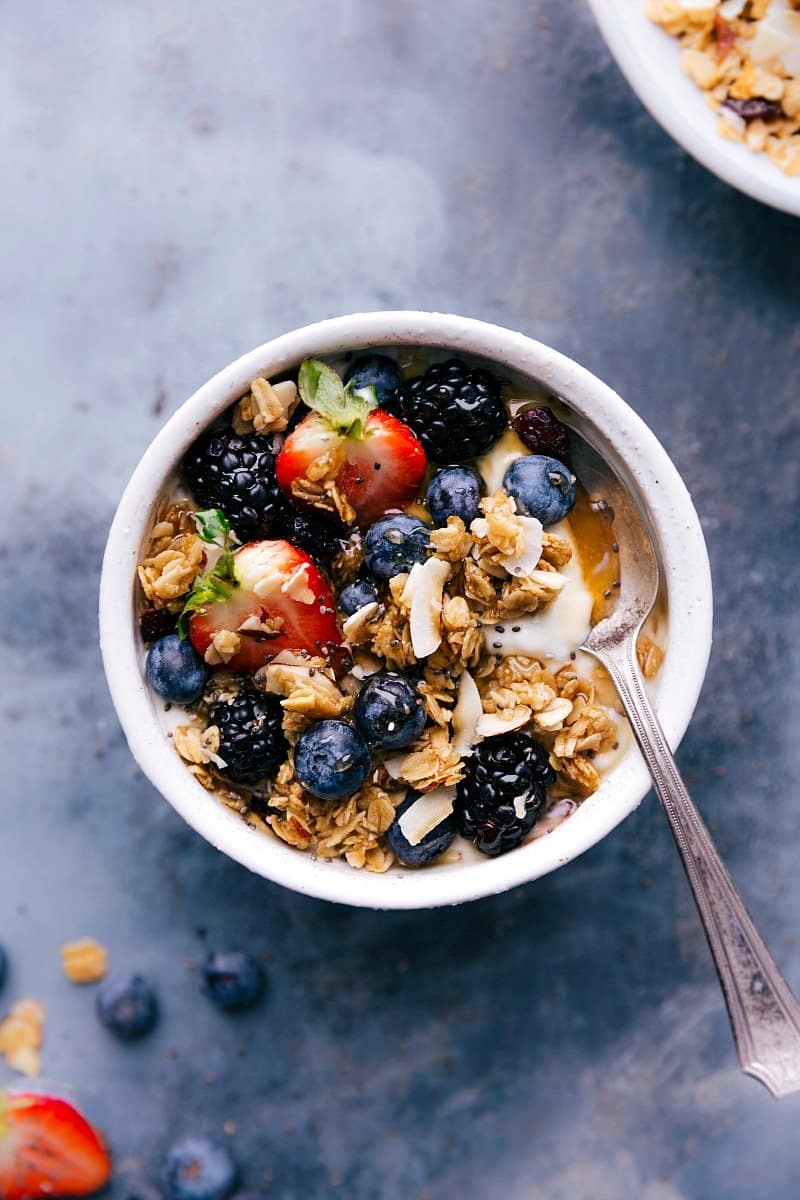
(48, 1149)
(277, 600)
(378, 462)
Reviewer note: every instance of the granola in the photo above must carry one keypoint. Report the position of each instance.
(378, 727)
(745, 56)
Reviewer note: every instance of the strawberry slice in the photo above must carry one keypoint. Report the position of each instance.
(48, 1149)
(277, 600)
(377, 462)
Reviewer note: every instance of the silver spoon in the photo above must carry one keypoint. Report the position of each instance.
(764, 1015)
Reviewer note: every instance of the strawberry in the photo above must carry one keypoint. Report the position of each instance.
(376, 461)
(48, 1149)
(272, 596)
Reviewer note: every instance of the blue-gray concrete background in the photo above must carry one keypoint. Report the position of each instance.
(183, 180)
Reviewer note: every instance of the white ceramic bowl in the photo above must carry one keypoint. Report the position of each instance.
(614, 429)
(650, 60)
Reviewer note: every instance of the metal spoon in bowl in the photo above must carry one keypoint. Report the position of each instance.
(764, 1015)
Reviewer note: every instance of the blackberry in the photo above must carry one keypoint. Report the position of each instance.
(503, 792)
(236, 474)
(251, 740)
(455, 410)
(321, 537)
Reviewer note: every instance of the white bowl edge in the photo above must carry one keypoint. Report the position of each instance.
(650, 61)
(687, 579)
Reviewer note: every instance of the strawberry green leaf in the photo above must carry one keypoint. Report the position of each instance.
(323, 391)
(219, 582)
(213, 526)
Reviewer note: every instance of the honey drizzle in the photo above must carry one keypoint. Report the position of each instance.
(593, 531)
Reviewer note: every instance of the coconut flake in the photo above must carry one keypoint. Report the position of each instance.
(731, 9)
(423, 816)
(466, 715)
(525, 562)
(490, 724)
(425, 625)
(777, 36)
(357, 620)
(394, 765)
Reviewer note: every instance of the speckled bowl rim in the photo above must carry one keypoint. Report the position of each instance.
(615, 429)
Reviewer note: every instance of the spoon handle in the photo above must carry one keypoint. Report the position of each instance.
(764, 1015)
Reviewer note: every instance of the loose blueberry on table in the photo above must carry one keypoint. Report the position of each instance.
(127, 1006)
(351, 598)
(200, 1169)
(234, 980)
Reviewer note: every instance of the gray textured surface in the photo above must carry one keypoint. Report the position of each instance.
(184, 180)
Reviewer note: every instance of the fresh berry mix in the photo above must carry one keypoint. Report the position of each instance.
(355, 595)
(175, 670)
(237, 475)
(503, 791)
(234, 980)
(542, 432)
(454, 492)
(252, 744)
(368, 595)
(127, 1006)
(393, 544)
(48, 1149)
(390, 711)
(331, 760)
(456, 410)
(421, 850)
(200, 1169)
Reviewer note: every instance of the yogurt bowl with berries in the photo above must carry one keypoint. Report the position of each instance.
(343, 601)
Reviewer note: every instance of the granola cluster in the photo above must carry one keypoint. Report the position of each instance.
(174, 558)
(730, 51)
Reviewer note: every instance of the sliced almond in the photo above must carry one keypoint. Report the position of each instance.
(296, 586)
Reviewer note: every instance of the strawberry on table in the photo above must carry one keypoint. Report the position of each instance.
(48, 1149)
(254, 602)
(375, 460)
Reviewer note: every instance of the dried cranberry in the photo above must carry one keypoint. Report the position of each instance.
(155, 623)
(751, 110)
(542, 432)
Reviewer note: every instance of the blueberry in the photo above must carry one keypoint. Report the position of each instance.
(331, 760)
(3, 966)
(454, 492)
(175, 670)
(432, 845)
(249, 1194)
(199, 1169)
(542, 487)
(233, 980)
(126, 1004)
(393, 544)
(389, 711)
(375, 370)
(356, 595)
